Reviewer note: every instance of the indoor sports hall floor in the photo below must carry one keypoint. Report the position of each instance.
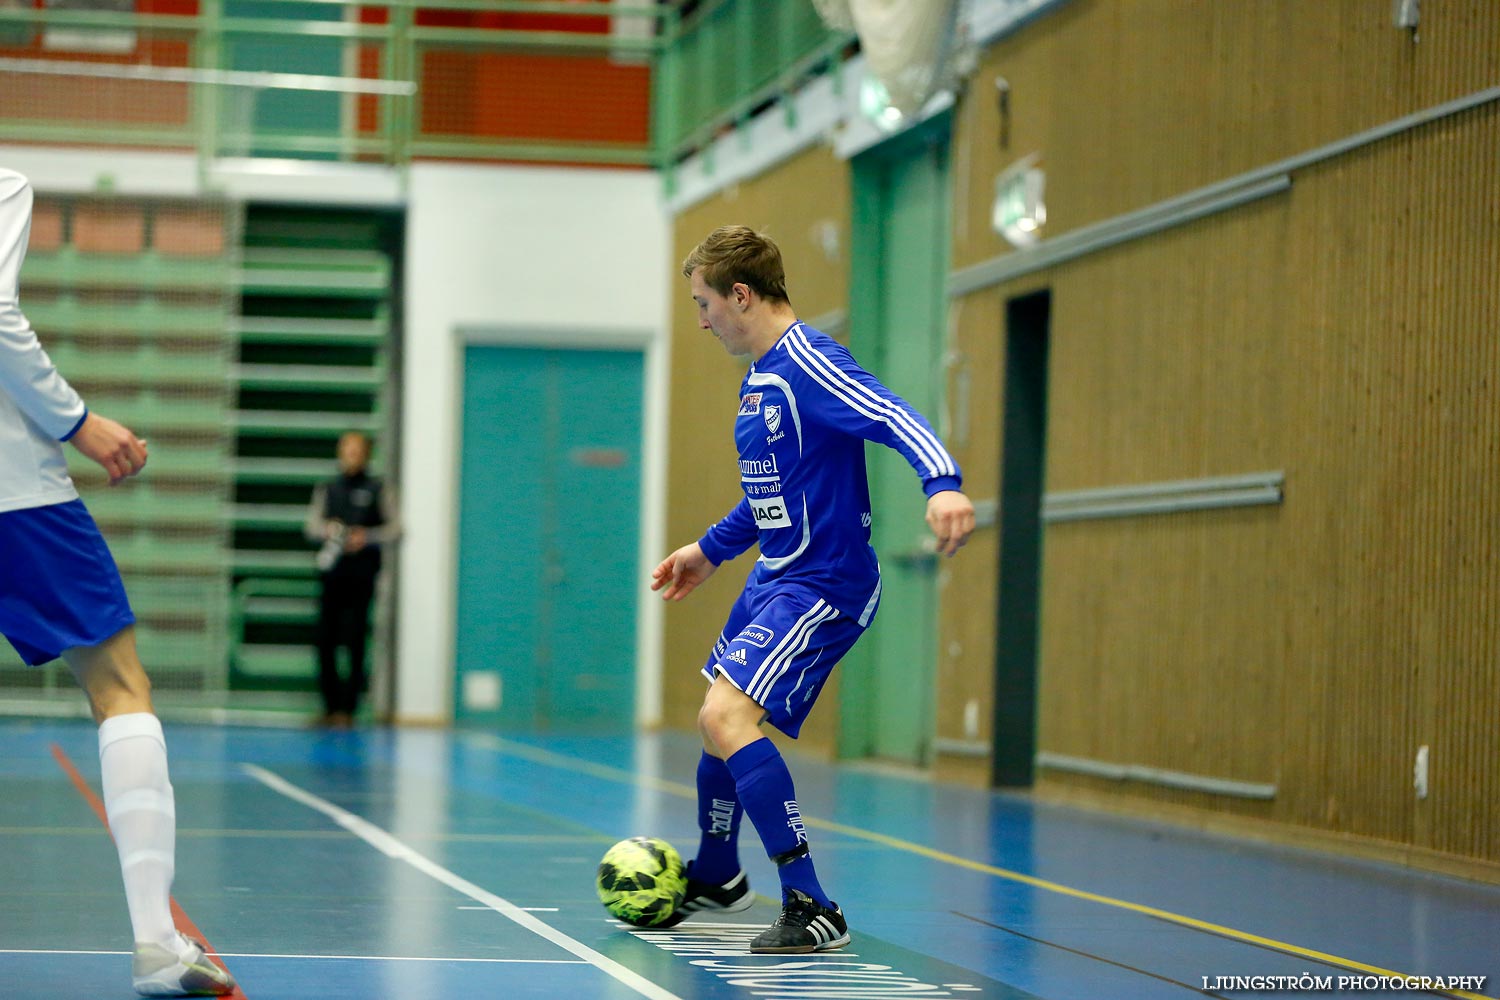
(416, 864)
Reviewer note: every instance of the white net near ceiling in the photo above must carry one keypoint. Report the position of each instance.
(911, 46)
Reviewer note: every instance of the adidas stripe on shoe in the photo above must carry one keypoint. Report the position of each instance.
(702, 897)
(803, 927)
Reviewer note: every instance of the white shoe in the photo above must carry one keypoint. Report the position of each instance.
(187, 972)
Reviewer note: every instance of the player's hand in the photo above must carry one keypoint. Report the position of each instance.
(950, 515)
(112, 445)
(356, 539)
(681, 572)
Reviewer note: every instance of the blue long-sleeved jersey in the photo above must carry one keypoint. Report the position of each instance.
(806, 410)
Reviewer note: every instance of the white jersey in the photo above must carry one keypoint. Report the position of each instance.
(38, 409)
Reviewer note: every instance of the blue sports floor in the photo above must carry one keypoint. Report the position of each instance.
(419, 864)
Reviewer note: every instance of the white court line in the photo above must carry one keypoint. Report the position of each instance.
(56, 951)
(395, 849)
(325, 958)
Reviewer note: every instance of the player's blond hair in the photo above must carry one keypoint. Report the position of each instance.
(733, 255)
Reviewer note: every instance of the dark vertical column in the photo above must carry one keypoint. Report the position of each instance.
(1022, 473)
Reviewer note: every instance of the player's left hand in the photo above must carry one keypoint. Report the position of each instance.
(950, 515)
(681, 572)
(356, 539)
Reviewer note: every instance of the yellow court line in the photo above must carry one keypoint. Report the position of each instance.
(687, 791)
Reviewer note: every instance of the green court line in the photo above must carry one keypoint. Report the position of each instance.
(551, 759)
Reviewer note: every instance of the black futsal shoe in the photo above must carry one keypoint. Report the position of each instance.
(704, 897)
(803, 927)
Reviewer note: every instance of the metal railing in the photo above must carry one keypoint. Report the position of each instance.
(727, 60)
(388, 81)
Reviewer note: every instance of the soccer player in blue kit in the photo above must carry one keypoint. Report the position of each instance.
(805, 411)
(61, 595)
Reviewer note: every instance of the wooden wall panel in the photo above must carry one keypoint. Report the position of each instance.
(804, 206)
(1342, 332)
(967, 583)
(1399, 252)
(1147, 634)
(1133, 101)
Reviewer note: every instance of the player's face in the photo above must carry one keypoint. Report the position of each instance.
(716, 314)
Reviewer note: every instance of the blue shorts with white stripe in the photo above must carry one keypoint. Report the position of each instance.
(59, 587)
(779, 646)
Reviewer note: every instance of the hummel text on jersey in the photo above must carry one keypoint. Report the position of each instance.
(759, 466)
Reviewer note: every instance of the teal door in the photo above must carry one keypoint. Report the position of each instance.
(898, 311)
(548, 532)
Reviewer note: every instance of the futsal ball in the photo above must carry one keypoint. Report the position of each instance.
(641, 880)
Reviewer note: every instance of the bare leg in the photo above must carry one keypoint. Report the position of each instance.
(111, 675)
(729, 720)
(137, 790)
(142, 811)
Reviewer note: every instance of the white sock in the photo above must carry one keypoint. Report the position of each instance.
(143, 818)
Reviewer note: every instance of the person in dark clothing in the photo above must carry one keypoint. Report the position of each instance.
(354, 517)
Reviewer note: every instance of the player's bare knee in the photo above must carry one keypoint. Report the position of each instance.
(112, 676)
(719, 723)
(710, 724)
(703, 729)
(729, 718)
(709, 745)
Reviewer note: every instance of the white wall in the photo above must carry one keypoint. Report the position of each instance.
(516, 247)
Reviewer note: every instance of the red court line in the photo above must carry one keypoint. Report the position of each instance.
(179, 915)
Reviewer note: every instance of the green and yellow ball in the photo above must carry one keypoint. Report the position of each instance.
(641, 881)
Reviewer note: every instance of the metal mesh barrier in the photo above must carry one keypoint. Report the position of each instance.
(134, 300)
(622, 82)
(216, 113)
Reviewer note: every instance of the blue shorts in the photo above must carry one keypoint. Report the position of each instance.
(59, 586)
(779, 646)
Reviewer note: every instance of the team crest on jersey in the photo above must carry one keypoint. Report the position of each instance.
(750, 403)
(773, 418)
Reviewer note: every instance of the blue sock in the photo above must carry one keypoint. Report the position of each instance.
(765, 787)
(719, 813)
